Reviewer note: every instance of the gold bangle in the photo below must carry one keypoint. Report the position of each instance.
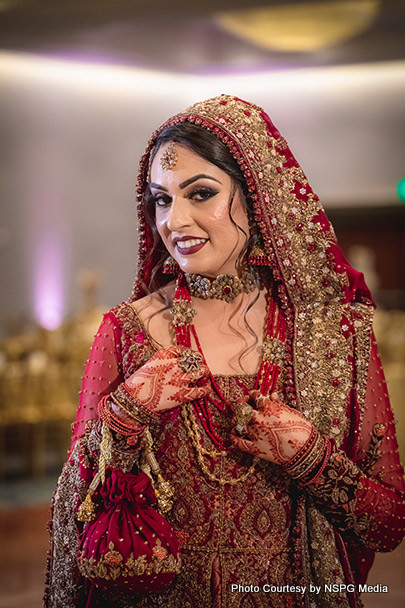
(122, 398)
(308, 457)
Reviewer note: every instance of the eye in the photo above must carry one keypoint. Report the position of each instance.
(161, 200)
(202, 194)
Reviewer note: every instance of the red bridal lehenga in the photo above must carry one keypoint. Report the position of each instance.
(252, 534)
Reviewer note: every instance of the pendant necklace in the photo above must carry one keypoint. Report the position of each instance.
(273, 354)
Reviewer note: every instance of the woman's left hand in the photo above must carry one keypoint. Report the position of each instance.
(275, 432)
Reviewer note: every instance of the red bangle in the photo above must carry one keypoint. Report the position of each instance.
(115, 424)
(303, 452)
(325, 460)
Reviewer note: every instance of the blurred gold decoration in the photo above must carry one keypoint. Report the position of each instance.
(301, 28)
(364, 259)
(41, 369)
(389, 328)
(40, 373)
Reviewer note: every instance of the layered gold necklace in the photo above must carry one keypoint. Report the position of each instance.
(195, 436)
(273, 354)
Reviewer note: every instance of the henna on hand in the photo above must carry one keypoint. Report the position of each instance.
(247, 446)
(161, 384)
(276, 431)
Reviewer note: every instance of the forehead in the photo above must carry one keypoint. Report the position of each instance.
(184, 163)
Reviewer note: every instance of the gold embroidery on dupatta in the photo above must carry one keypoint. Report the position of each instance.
(326, 567)
(298, 240)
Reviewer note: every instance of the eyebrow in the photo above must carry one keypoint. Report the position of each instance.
(187, 182)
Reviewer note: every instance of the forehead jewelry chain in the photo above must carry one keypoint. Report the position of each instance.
(168, 159)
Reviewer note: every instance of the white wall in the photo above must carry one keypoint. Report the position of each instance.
(72, 136)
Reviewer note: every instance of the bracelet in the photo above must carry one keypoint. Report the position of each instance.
(123, 398)
(308, 456)
(115, 424)
(325, 460)
(303, 451)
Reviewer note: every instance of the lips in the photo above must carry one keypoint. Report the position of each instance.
(187, 245)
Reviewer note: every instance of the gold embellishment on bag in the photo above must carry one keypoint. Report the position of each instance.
(87, 511)
(112, 566)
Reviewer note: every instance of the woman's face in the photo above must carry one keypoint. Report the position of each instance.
(192, 203)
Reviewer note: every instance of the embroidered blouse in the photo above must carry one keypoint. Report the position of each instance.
(239, 533)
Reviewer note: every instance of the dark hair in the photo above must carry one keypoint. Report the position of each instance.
(208, 146)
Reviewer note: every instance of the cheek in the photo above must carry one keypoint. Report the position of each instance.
(219, 221)
(160, 223)
(220, 214)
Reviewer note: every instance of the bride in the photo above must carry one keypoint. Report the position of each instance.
(246, 354)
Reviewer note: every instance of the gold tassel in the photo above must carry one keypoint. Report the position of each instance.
(87, 511)
(164, 494)
(163, 490)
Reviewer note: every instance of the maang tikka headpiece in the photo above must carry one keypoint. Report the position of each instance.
(168, 160)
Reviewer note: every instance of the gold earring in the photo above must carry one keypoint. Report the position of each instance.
(170, 266)
(258, 257)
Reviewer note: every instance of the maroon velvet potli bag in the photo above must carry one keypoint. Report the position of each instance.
(129, 547)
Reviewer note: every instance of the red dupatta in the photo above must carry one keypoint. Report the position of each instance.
(337, 374)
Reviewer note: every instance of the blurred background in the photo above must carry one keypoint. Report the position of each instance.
(83, 84)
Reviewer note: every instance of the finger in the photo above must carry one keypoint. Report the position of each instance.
(197, 392)
(244, 399)
(245, 445)
(262, 403)
(203, 372)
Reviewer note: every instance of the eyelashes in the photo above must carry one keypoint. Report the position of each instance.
(202, 194)
(198, 195)
(161, 200)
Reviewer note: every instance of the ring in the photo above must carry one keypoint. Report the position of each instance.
(243, 413)
(189, 361)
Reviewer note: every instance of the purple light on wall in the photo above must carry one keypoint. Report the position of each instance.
(49, 279)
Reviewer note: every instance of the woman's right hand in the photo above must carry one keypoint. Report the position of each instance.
(162, 385)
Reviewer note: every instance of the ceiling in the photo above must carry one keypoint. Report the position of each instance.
(182, 35)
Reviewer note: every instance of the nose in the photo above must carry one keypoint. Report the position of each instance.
(179, 214)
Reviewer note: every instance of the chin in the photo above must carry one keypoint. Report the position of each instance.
(205, 271)
(194, 267)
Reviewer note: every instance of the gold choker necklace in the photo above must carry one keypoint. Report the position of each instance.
(225, 287)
